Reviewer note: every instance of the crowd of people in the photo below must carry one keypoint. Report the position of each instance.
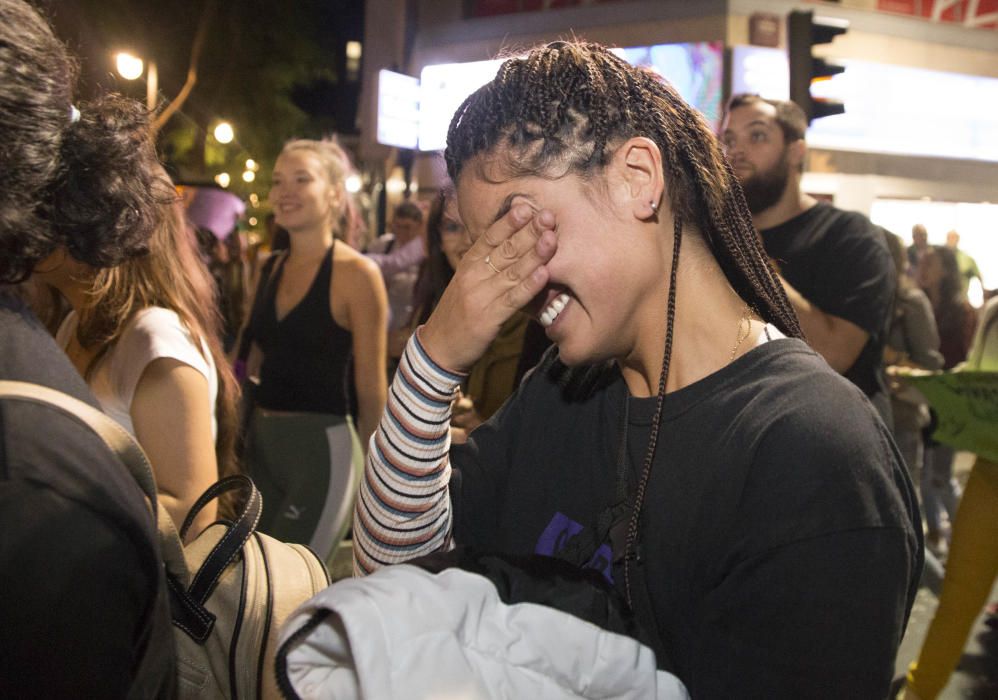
(614, 340)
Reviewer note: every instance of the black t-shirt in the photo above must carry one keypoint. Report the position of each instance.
(779, 539)
(839, 261)
(83, 611)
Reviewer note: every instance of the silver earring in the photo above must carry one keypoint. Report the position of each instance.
(654, 207)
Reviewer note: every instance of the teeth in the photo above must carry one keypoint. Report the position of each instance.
(556, 306)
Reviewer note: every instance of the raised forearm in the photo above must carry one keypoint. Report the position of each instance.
(403, 510)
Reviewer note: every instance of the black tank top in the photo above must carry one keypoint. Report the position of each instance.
(306, 354)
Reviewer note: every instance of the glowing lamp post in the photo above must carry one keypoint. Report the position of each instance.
(224, 133)
(130, 67)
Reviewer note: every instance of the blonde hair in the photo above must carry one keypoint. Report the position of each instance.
(337, 167)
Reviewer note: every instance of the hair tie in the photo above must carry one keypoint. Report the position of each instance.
(74, 114)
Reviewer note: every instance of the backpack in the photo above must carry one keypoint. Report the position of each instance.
(230, 589)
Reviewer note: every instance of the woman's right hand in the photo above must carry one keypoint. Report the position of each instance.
(479, 299)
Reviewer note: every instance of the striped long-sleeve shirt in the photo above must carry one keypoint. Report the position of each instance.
(403, 510)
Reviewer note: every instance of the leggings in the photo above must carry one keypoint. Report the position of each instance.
(970, 572)
(307, 467)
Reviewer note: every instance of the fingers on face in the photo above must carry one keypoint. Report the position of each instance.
(514, 220)
(516, 248)
(526, 277)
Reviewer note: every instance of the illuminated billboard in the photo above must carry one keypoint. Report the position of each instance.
(398, 109)
(696, 70)
(889, 108)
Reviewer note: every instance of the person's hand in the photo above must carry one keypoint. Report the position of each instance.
(501, 272)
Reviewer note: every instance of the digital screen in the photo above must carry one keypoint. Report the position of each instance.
(760, 71)
(443, 88)
(696, 70)
(886, 106)
(398, 109)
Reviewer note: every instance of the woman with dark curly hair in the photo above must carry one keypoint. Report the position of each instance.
(744, 501)
(83, 612)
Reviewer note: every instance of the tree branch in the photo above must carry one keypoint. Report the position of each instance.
(192, 71)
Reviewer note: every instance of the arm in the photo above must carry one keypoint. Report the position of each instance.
(171, 412)
(400, 258)
(814, 602)
(816, 618)
(367, 307)
(403, 510)
(837, 340)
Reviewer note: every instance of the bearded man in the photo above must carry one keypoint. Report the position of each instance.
(834, 264)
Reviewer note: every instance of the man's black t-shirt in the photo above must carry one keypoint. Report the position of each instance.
(780, 550)
(839, 261)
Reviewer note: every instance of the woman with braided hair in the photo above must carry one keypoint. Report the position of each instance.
(746, 502)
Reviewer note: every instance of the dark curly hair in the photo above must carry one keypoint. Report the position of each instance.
(88, 185)
(563, 109)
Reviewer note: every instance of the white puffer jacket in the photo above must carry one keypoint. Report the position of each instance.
(404, 633)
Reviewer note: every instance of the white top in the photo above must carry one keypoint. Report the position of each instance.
(153, 333)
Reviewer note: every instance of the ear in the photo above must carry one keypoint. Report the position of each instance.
(796, 153)
(636, 180)
(336, 195)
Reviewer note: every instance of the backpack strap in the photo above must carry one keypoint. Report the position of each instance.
(231, 544)
(113, 434)
(119, 441)
(187, 606)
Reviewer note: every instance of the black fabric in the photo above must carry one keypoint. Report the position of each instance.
(839, 261)
(778, 540)
(256, 308)
(83, 611)
(545, 581)
(306, 354)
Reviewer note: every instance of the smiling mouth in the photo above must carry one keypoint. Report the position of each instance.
(553, 309)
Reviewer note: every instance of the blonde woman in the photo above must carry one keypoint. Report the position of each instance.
(145, 336)
(318, 331)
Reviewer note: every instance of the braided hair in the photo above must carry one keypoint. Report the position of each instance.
(563, 109)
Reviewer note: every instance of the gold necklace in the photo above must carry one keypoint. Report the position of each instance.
(741, 335)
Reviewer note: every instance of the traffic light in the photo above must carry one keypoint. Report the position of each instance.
(805, 31)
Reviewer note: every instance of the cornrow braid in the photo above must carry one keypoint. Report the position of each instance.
(563, 108)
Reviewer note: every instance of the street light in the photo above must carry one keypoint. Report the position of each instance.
(224, 132)
(130, 68)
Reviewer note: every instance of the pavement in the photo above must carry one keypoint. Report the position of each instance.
(976, 677)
